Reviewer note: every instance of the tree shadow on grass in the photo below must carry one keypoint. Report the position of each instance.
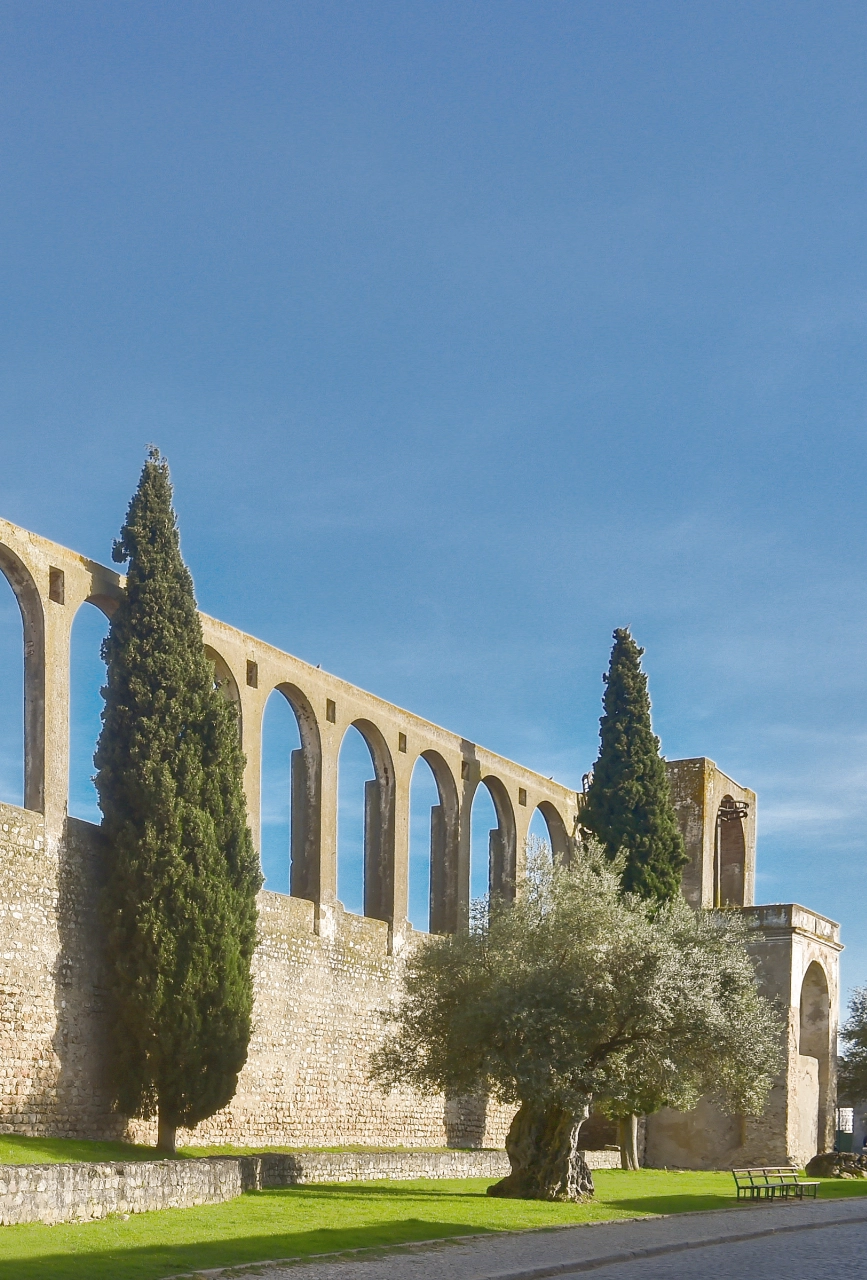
(678, 1203)
(435, 1190)
(153, 1262)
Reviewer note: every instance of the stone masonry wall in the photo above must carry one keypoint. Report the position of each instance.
(319, 1012)
(54, 1193)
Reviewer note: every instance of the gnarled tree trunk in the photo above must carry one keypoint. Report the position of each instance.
(627, 1138)
(542, 1146)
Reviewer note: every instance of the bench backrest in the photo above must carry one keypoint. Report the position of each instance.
(770, 1176)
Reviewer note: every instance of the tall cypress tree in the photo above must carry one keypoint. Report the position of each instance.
(179, 903)
(628, 805)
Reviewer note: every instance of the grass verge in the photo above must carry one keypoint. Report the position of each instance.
(301, 1221)
(15, 1149)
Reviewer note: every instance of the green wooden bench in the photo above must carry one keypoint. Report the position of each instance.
(778, 1182)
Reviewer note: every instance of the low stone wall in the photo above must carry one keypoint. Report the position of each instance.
(607, 1159)
(54, 1193)
(280, 1169)
(79, 1192)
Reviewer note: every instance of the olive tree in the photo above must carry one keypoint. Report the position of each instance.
(578, 992)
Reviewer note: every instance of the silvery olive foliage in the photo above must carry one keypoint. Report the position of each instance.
(578, 992)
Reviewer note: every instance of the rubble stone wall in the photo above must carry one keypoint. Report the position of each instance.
(323, 981)
(54, 1193)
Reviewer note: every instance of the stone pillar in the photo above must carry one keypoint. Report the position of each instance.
(445, 838)
(332, 737)
(469, 782)
(523, 817)
(399, 905)
(252, 701)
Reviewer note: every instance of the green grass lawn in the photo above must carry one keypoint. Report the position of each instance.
(300, 1221)
(19, 1150)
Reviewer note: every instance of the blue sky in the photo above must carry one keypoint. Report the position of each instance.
(471, 331)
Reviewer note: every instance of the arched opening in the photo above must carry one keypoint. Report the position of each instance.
(729, 861)
(280, 740)
(365, 822)
(423, 807)
(814, 1048)
(492, 842)
(547, 824)
(224, 679)
(11, 697)
(291, 794)
(433, 845)
(33, 619)
(86, 681)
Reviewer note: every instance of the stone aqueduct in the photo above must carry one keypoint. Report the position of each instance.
(324, 977)
(52, 583)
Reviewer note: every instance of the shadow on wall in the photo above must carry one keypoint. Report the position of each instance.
(81, 1106)
(465, 1121)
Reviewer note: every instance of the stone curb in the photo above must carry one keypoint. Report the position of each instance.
(531, 1273)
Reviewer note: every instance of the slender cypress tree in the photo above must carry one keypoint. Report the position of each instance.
(628, 805)
(179, 903)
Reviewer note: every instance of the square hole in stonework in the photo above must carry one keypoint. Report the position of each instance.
(330, 710)
(465, 768)
(401, 742)
(56, 586)
(522, 796)
(252, 674)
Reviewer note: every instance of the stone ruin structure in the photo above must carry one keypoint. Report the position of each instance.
(797, 959)
(324, 976)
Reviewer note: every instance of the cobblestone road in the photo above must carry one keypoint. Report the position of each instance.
(824, 1240)
(832, 1254)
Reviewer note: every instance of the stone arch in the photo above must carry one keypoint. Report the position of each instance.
(502, 842)
(104, 603)
(558, 836)
(379, 825)
(306, 798)
(814, 1044)
(729, 854)
(444, 847)
(33, 619)
(225, 678)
